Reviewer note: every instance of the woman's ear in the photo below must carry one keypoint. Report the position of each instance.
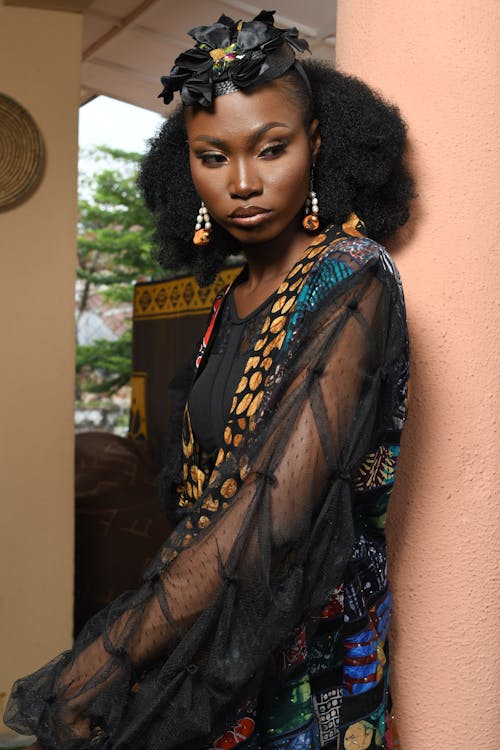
(314, 138)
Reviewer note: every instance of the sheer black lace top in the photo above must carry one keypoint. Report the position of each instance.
(212, 393)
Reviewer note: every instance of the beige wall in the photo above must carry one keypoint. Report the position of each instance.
(439, 61)
(40, 68)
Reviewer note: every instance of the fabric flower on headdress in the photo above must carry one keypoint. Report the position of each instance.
(240, 53)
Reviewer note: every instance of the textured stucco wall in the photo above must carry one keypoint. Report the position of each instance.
(439, 62)
(40, 68)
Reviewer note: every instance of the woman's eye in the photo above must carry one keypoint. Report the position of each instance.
(271, 152)
(210, 159)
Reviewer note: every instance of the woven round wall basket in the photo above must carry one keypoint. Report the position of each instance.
(21, 153)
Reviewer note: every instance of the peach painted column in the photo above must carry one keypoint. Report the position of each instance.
(39, 68)
(439, 62)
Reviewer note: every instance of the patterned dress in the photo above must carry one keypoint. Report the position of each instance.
(338, 694)
(262, 622)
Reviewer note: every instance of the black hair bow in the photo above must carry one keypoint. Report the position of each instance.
(227, 50)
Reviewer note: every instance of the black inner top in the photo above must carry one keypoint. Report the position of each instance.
(212, 393)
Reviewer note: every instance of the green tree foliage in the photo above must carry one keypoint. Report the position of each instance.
(105, 364)
(114, 250)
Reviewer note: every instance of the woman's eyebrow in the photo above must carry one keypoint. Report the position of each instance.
(251, 139)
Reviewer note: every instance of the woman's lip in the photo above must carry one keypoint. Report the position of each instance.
(249, 217)
(244, 211)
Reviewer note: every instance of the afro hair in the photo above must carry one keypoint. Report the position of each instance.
(360, 167)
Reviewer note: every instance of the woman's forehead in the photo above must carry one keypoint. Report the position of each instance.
(241, 112)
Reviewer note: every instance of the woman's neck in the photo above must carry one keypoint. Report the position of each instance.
(270, 261)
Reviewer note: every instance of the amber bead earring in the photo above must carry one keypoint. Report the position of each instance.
(203, 228)
(310, 222)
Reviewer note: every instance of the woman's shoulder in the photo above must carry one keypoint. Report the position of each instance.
(348, 243)
(341, 253)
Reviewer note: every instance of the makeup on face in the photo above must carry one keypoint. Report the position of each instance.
(250, 160)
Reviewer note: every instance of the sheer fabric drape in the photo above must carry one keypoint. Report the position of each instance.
(157, 666)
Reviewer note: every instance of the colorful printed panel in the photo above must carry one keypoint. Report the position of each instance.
(364, 661)
(327, 705)
(377, 468)
(287, 709)
(305, 738)
(365, 734)
(369, 579)
(331, 273)
(294, 652)
(380, 615)
(326, 651)
(242, 734)
(334, 607)
(359, 249)
(391, 734)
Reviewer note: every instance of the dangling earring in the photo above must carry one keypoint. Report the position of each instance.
(202, 236)
(310, 222)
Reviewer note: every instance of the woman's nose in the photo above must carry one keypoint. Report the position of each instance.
(245, 181)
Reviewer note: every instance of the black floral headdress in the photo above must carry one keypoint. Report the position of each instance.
(232, 55)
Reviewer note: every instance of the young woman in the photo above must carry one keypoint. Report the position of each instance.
(262, 622)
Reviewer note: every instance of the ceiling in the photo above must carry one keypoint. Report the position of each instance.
(128, 44)
(72, 6)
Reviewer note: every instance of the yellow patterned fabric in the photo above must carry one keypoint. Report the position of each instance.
(176, 297)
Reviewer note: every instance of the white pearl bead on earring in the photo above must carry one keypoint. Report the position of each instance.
(203, 227)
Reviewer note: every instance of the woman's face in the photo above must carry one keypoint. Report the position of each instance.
(251, 159)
